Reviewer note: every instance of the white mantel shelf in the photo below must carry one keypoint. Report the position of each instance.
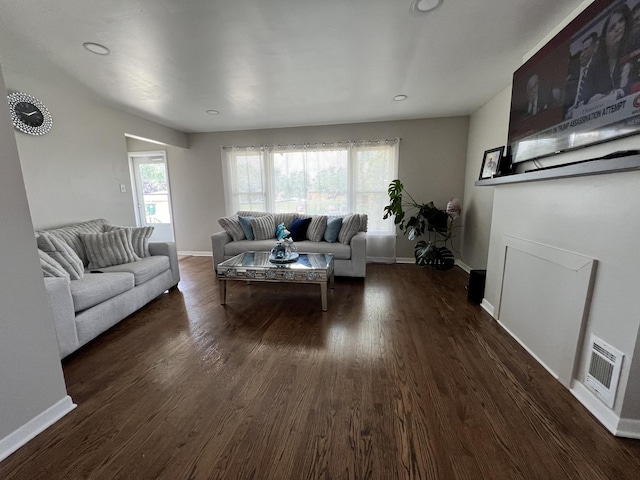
(593, 167)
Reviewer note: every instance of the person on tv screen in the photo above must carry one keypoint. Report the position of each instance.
(576, 80)
(634, 38)
(603, 77)
(630, 70)
(535, 100)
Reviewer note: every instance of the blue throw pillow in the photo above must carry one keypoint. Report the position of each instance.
(245, 223)
(334, 224)
(298, 229)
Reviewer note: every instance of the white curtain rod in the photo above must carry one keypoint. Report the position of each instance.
(316, 144)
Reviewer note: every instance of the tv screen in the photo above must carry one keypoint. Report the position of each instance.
(581, 88)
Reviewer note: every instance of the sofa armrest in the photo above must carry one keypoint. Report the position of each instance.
(218, 241)
(359, 254)
(168, 249)
(64, 317)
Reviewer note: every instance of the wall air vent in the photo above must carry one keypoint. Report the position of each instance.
(603, 370)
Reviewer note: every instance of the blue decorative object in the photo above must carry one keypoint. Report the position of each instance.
(282, 253)
(334, 224)
(245, 223)
(279, 252)
(298, 229)
(282, 232)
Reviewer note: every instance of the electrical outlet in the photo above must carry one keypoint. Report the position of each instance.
(123, 188)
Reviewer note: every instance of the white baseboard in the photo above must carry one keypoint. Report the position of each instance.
(381, 260)
(405, 260)
(487, 307)
(195, 254)
(463, 265)
(598, 409)
(33, 427)
(628, 428)
(620, 427)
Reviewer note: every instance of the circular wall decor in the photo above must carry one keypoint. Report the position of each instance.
(28, 114)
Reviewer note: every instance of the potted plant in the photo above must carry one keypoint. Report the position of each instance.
(416, 219)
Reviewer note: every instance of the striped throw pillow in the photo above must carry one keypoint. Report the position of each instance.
(315, 230)
(109, 248)
(70, 234)
(50, 268)
(62, 253)
(231, 225)
(350, 226)
(139, 238)
(264, 228)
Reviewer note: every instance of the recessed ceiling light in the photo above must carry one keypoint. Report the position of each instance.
(399, 98)
(96, 48)
(213, 112)
(424, 6)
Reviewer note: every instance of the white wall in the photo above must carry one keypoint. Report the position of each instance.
(31, 380)
(74, 172)
(432, 158)
(487, 130)
(589, 216)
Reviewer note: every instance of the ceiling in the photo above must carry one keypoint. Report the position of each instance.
(281, 63)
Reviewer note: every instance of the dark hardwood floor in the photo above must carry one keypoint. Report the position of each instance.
(402, 378)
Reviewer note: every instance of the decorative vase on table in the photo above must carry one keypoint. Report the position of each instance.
(285, 251)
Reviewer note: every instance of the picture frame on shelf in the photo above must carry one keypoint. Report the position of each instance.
(491, 163)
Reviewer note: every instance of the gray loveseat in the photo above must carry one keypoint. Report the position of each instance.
(349, 248)
(85, 307)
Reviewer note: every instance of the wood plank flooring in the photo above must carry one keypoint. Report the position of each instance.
(402, 378)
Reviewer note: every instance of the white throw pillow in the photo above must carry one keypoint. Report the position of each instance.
(139, 238)
(350, 226)
(109, 248)
(62, 253)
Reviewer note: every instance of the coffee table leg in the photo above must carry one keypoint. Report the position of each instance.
(223, 291)
(331, 278)
(323, 294)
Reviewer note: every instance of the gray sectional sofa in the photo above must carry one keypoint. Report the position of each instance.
(89, 298)
(349, 248)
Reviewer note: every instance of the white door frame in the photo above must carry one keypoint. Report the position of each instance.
(137, 196)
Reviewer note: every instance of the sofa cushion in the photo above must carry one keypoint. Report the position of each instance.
(334, 224)
(69, 234)
(144, 269)
(236, 248)
(299, 229)
(350, 226)
(109, 248)
(263, 227)
(95, 288)
(245, 223)
(232, 226)
(340, 251)
(51, 268)
(62, 253)
(316, 229)
(139, 238)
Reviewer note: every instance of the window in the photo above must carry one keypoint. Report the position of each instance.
(328, 179)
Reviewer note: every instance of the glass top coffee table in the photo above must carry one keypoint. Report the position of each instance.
(255, 267)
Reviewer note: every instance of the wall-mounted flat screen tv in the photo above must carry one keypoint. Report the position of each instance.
(581, 88)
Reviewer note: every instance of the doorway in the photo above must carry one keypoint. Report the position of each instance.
(152, 193)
